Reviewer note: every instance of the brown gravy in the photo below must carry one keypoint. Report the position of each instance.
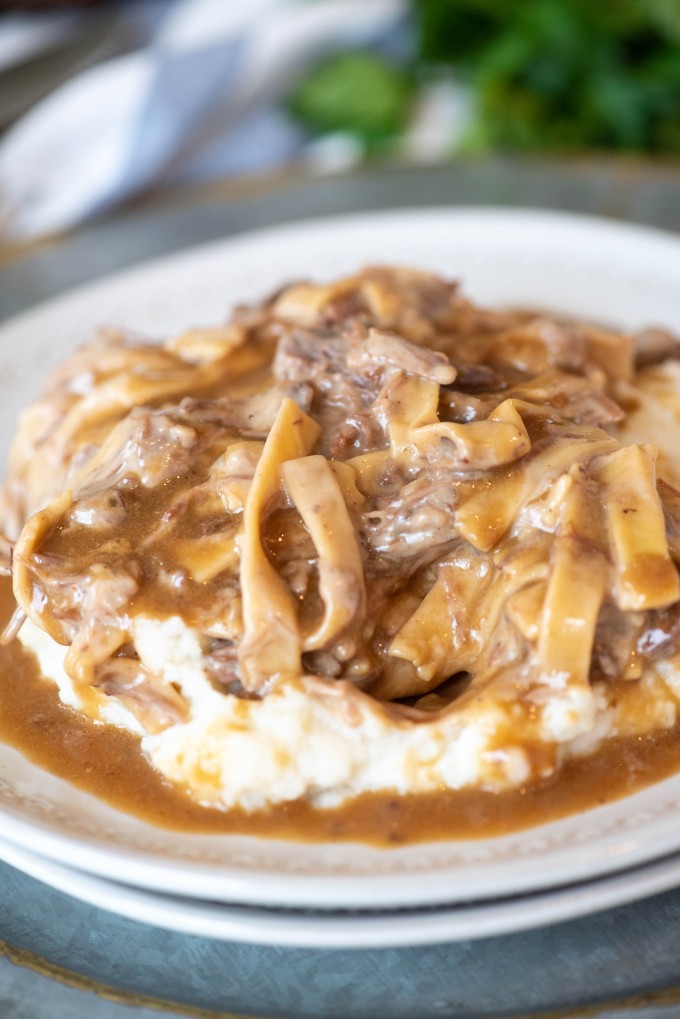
(107, 762)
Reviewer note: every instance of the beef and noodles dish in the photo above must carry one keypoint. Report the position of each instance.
(366, 538)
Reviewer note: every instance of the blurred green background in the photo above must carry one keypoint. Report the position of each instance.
(539, 75)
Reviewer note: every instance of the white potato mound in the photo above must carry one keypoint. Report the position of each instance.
(302, 740)
(366, 537)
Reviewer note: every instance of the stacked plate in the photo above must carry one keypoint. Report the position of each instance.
(342, 895)
(347, 894)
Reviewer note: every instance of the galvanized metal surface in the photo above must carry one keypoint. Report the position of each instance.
(60, 959)
(58, 946)
(633, 190)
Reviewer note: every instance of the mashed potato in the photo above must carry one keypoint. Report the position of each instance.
(364, 537)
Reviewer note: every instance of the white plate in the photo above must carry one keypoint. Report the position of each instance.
(436, 925)
(622, 274)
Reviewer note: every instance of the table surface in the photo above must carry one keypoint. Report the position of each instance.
(61, 959)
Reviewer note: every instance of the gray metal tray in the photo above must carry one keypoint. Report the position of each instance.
(61, 959)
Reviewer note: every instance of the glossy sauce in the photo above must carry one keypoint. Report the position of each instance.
(107, 762)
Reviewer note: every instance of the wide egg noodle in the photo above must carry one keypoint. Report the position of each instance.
(312, 487)
(271, 644)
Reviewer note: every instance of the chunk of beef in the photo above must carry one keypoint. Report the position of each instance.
(310, 356)
(151, 445)
(381, 351)
(415, 526)
(652, 346)
(359, 433)
(252, 414)
(222, 665)
(101, 511)
(661, 635)
(475, 378)
(617, 638)
(321, 361)
(583, 402)
(154, 703)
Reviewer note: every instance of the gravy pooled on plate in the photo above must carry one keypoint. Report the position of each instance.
(366, 542)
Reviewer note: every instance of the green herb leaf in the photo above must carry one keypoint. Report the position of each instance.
(564, 74)
(359, 92)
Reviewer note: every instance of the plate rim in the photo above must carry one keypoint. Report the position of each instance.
(506, 213)
(310, 890)
(376, 930)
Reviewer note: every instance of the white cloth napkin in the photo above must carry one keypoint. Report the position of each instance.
(200, 100)
(24, 36)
